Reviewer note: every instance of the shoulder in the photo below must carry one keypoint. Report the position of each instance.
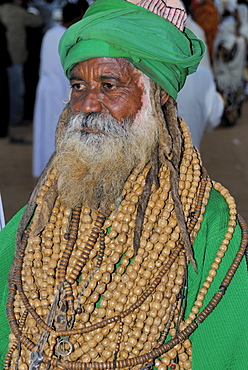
(7, 250)
(219, 232)
(53, 35)
(8, 236)
(217, 211)
(216, 248)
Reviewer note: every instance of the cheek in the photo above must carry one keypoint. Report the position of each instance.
(135, 102)
(75, 103)
(125, 108)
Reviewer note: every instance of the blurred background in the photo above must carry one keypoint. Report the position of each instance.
(34, 90)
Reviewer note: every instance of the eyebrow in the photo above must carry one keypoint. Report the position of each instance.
(103, 77)
(76, 77)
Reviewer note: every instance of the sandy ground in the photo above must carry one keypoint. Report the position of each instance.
(224, 154)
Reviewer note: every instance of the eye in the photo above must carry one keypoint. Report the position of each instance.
(108, 86)
(78, 86)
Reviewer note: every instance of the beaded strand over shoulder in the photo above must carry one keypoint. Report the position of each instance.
(80, 298)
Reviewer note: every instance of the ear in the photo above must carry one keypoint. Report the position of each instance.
(164, 97)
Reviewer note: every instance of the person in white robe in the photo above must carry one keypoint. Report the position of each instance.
(200, 88)
(52, 90)
(207, 105)
(52, 83)
(229, 64)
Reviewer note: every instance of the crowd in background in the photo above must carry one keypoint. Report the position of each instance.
(23, 25)
(224, 28)
(34, 87)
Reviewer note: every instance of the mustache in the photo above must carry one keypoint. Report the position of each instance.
(98, 123)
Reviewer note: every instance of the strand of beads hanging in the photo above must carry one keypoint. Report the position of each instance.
(118, 251)
(82, 258)
(125, 304)
(239, 253)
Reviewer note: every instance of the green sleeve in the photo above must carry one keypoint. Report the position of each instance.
(221, 341)
(7, 250)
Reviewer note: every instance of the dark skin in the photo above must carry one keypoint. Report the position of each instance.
(107, 85)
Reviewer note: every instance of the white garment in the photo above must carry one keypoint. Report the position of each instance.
(229, 75)
(2, 218)
(51, 96)
(243, 17)
(199, 104)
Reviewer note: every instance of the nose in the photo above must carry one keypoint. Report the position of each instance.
(90, 102)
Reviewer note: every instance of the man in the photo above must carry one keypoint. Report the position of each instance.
(209, 105)
(52, 90)
(229, 64)
(124, 249)
(206, 14)
(200, 87)
(16, 19)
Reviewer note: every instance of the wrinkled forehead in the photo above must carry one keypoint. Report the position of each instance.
(119, 69)
(130, 85)
(119, 66)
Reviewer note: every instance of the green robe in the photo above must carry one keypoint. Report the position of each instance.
(221, 341)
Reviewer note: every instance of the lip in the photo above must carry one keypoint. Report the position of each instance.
(91, 131)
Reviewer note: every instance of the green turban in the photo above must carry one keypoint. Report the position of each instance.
(117, 28)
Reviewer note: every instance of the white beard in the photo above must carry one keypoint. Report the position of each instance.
(93, 167)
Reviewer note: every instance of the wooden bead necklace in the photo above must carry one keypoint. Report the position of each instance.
(81, 299)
